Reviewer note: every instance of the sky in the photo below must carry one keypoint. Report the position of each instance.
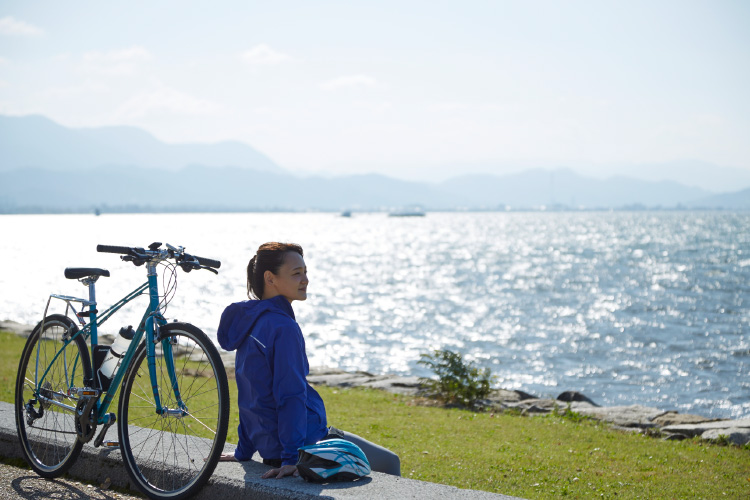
(411, 89)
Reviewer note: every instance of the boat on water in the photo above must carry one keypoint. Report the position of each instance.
(346, 213)
(407, 212)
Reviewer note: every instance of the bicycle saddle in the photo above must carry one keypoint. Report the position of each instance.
(75, 273)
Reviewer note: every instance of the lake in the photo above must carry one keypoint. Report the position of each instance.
(627, 307)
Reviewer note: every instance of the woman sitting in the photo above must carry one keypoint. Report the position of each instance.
(279, 411)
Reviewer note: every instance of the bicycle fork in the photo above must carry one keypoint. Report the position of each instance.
(154, 323)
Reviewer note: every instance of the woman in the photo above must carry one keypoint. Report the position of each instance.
(279, 410)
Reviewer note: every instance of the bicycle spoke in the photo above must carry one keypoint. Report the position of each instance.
(176, 451)
(48, 437)
(209, 429)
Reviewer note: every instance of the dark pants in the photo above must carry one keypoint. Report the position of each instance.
(381, 459)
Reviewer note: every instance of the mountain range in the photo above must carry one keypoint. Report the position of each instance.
(45, 167)
(35, 141)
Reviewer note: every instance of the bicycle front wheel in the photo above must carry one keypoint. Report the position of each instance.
(172, 454)
(51, 370)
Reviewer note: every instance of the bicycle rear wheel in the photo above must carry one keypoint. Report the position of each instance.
(172, 455)
(47, 429)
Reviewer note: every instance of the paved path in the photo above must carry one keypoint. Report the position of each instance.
(233, 480)
(16, 482)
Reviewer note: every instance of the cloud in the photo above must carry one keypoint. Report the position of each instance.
(163, 100)
(351, 81)
(85, 88)
(121, 62)
(263, 54)
(448, 107)
(11, 26)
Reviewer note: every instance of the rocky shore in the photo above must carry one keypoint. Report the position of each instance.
(669, 425)
(665, 424)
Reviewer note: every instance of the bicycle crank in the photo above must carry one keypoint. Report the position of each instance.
(99, 441)
(85, 418)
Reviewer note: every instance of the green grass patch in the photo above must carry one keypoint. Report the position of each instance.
(10, 355)
(531, 457)
(537, 457)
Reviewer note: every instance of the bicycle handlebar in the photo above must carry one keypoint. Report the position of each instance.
(113, 249)
(207, 262)
(139, 255)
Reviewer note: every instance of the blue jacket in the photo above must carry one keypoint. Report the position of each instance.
(279, 410)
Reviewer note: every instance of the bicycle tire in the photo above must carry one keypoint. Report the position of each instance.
(173, 456)
(50, 443)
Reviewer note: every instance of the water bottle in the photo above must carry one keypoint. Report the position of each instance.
(117, 351)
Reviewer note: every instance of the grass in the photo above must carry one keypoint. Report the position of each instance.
(532, 457)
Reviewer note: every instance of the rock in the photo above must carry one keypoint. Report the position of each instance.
(345, 379)
(506, 396)
(539, 406)
(571, 396)
(17, 328)
(409, 386)
(624, 416)
(674, 418)
(734, 435)
(535, 405)
(105, 338)
(699, 429)
(324, 370)
(535, 410)
(523, 395)
(489, 405)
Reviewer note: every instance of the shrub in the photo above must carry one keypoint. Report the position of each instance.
(458, 382)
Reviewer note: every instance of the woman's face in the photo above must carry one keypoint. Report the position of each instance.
(291, 280)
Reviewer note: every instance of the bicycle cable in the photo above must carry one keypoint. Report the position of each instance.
(169, 284)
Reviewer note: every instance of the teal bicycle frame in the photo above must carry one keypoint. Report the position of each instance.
(150, 323)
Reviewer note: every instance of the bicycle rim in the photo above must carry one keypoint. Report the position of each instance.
(47, 432)
(173, 454)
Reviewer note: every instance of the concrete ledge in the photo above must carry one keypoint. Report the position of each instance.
(235, 480)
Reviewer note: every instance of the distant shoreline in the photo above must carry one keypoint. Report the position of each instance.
(134, 210)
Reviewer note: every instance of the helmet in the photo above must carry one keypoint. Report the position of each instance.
(332, 460)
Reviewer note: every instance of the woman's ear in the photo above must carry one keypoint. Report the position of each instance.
(268, 277)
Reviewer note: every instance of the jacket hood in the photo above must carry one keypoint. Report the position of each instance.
(238, 319)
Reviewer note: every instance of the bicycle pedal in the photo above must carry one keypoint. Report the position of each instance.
(86, 392)
(111, 444)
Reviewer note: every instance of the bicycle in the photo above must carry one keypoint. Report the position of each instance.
(173, 409)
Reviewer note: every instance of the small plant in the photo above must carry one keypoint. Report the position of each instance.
(569, 414)
(458, 382)
(723, 440)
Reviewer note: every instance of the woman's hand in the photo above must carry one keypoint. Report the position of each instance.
(285, 470)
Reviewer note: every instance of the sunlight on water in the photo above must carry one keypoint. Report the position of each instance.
(650, 308)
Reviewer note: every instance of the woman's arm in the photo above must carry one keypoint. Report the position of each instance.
(290, 391)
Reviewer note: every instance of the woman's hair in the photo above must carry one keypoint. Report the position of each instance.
(269, 257)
